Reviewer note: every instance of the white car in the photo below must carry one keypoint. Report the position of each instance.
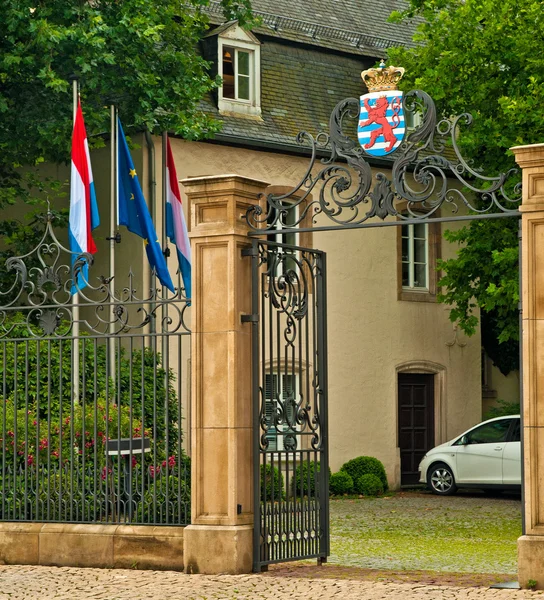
(487, 457)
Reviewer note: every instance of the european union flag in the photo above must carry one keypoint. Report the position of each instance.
(133, 211)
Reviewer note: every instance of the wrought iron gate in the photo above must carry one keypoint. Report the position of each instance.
(290, 403)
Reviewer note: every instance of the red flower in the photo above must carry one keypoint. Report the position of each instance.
(154, 471)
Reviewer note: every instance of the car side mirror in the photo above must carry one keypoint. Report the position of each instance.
(463, 441)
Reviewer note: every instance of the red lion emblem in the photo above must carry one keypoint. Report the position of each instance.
(376, 114)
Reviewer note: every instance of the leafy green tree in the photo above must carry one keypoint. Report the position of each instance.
(478, 56)
(141, 55)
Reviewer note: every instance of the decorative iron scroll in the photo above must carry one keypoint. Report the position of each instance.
(39, 301)
(289, 278)
(427, 172)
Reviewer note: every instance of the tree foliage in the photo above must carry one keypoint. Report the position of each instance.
(140, 55)
(478, 56)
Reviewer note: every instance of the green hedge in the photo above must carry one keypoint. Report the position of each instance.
(340, 483)
(369, 485)
(363, 465)
(38, 372)
(271, 484)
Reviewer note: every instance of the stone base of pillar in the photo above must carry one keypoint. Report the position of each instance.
(531, 560)
(214, 549)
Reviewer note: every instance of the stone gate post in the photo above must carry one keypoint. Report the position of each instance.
(220, 537)
(531, 543)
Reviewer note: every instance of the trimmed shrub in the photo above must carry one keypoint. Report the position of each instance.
(369, 485)
(271, 484)
(363, 465)
(340, 483)
(305, 478)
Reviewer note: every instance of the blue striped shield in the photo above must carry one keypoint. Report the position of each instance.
(381, 122)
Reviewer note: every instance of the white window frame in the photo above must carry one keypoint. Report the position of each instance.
(236, 105)
(411, 259)
(274, 435)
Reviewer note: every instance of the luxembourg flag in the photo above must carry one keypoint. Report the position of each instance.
(176, 228)
(83, 207)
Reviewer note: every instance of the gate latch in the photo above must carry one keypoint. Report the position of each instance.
(250, 318)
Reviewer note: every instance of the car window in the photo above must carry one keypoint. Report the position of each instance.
(516, 437)
(490, 433)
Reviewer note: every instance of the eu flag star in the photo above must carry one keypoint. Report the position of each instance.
(146, 241)
(132, 196)
(132, 173)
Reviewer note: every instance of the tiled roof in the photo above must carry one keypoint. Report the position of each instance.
(300, 87)
(302, 82)
(354, 26)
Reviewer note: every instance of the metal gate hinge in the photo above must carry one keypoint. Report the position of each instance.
(249, 251)
(250, 318)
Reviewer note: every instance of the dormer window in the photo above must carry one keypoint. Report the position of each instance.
(237, 84)
(239, 66)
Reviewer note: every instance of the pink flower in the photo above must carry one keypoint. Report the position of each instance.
(134, 462)
(30, 460)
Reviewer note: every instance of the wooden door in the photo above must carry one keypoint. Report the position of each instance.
(415, 422)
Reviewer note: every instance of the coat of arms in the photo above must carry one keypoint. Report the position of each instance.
(381, 121)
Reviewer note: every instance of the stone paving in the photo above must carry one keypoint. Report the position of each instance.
(64, 583)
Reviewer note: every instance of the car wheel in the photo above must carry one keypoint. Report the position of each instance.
(440, 480)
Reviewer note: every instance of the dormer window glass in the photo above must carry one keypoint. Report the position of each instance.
(237, 83)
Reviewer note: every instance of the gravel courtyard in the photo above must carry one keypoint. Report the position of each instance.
(469, 533)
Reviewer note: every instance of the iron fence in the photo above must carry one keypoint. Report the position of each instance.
(93, 397)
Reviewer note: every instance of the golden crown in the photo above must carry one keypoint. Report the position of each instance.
(382, 78)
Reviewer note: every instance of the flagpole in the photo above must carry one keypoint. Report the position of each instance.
(165, 339)
(164, 241)
(113, 226)
(75, 296)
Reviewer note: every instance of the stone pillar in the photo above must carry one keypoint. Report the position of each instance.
(220, 537)
(531, 544)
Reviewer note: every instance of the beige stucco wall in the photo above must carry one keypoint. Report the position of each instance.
(504, 387)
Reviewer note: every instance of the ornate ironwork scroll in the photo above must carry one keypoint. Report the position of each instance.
(427, 172)
(43, 285)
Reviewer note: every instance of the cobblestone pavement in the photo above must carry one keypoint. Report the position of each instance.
(43, 583)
